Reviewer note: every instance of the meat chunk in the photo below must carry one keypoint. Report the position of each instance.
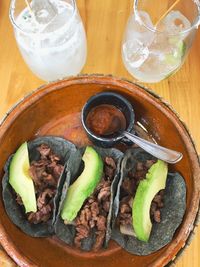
(104, 193)
(42, 215)
(19, 200)
(106, 206)
(149, 163)
(125, 208)
(36, 172)
(100, 236)
(109, 167)
(44, 151)
(101, 223)
(139, 166)
(45, 197)
(81, 233)
(156, 216)
(125, 212)
(110, 162)
(156, 205)
(58, 169)
(128, 186)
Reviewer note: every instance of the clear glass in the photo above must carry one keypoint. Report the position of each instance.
(54, 49)
(157, 39)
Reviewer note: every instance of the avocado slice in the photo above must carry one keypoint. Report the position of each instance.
(20, 179)
(147, 189)
(84, 185)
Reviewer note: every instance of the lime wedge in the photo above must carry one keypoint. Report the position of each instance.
(176, 57)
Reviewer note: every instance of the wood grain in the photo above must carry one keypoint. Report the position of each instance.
(104, 23)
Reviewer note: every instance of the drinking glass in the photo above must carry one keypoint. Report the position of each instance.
(158, 36)
(53, 48)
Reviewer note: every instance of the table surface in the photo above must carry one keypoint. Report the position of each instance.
(104, 23)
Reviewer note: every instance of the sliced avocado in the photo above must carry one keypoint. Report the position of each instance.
(84, 185)
(20, 179)
(147, 189)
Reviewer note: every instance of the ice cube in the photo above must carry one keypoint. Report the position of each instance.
(135, 53)
(136, 30)
(44, 11)
(174, 22)
(144, 19)
(65, 13)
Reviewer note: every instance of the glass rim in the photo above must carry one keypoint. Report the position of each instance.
(195, 24)
(15, 25)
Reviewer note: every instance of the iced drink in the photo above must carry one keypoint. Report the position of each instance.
(150, 56)
(56, 49)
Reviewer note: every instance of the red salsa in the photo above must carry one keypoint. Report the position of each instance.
(106, 120)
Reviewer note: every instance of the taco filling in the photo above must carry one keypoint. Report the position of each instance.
(94, 212)
(45, 174)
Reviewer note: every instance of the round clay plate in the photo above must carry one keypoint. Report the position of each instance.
(55, 110)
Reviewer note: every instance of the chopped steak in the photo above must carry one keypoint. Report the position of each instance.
(101, 223)
(42, 215)
(36, 172)
(128, 190)
(100, 236)
(44, 150)
(106, 205)
(139, 166)
(19, 200)
(94, 212)
(149, 163)
(110, 163)
(94, 207)
(104, 193)
(45, 197)
(110, 167)
(45, 174)
(153, 209)
(158, 200)
(82, 230)
(125, 208)
(156, 216)
(156, 205)
(129, 186)
(57, 170)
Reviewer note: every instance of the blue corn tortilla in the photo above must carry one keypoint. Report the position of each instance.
(171, 214)
(67, 233)
(63, 149)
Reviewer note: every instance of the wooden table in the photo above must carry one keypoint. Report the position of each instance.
(104, 23)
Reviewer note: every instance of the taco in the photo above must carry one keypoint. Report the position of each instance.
(85, 210)
(32, 183)
(149, 205)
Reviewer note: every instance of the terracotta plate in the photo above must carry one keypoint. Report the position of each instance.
(55, 109)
